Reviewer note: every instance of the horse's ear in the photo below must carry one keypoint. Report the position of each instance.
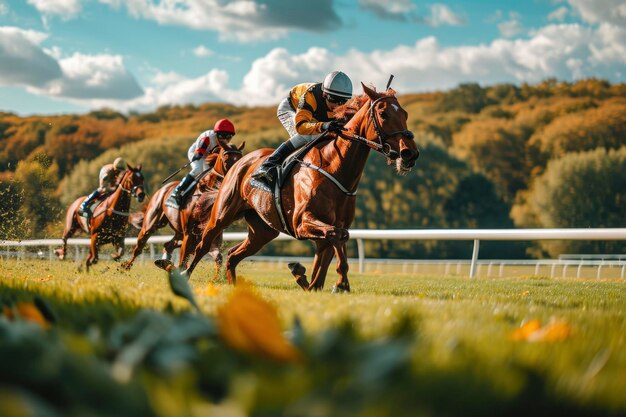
(138, 167)
(243, 145)
(128, 166)
(370, 92)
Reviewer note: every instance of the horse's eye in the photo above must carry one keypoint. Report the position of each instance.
(383, 115)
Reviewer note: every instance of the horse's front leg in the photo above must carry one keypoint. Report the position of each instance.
(92, 258)
(336, 237)
(119, 248)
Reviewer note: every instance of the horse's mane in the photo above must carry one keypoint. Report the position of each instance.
(212, 158)
(346, 111)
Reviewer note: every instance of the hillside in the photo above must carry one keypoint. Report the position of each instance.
(492, 157)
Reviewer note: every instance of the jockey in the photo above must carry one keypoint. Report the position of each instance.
(109, 174)
(305, 113)
(223, 131)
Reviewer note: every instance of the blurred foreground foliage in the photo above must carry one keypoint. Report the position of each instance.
(152, 363)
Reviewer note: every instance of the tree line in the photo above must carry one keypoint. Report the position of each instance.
(502, 156)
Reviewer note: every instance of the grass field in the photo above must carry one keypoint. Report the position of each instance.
(468, 342)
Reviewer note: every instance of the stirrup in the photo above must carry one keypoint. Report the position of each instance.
(85, 212)
(264, 174)
(173, 202)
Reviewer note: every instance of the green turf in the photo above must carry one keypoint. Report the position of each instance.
(458, 322)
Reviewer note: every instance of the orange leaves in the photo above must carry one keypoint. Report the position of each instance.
(26, 311)
(532, 331)
(250, 324)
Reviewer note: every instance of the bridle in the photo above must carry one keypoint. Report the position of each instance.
(133, 190)
(224, 153)
(381, 146)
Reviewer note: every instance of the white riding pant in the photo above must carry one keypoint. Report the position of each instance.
(197, 167)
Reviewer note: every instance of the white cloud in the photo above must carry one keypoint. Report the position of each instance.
(559, 14)
(22, 61)
(390, 9)
(87, 77)
(564, 51)
(511, 27)
(202, 51)
(66, 9)
(601, 11)
(440, 14)
(4, 9)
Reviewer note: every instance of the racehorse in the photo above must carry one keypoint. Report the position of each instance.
(188, 221)
(318, 194)
(109, 221)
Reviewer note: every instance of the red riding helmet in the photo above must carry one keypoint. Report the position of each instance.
(225, 126)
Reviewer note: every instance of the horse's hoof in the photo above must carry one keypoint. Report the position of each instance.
(126, 265)
(341, 288)
(59, 253)
(302, 282)
(164, 264)
(296, 268)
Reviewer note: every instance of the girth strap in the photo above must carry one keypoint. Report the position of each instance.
(329, 176)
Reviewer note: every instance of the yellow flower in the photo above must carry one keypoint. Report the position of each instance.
(210, 290)
(250, 324)
(554, 331)
(26, 311)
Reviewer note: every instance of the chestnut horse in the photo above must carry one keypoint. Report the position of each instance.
(189, 221)
(110, 219)
(318, 194)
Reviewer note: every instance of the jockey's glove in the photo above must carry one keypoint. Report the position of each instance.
(196, 157)
(332, 126)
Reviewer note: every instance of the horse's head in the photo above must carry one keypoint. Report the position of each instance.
(132, 181)
(385, 123)
(228, 154)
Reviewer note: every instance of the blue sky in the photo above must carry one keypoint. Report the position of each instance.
(71, 56)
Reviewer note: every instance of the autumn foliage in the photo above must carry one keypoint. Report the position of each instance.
(498, 142)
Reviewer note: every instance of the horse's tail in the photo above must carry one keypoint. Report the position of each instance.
(136, 219)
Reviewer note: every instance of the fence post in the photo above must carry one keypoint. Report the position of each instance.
(361, 251)
(474, 258)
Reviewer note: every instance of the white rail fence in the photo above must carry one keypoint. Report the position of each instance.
(475, 235)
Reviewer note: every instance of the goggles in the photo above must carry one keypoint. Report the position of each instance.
(225, 135)
(336, 99)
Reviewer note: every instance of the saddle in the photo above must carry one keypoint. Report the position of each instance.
(282, 173)
(185, 193)
(96, 203)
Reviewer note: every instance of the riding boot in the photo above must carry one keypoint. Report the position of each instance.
(85, 210)
(266, 170)
(177, 195)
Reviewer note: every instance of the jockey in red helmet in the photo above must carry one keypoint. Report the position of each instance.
(223, 131)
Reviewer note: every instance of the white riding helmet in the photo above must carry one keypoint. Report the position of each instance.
(118, 163)
(337, 84)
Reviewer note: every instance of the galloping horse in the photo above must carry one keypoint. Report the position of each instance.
(110, 219)
(318, 194)
(188, 221)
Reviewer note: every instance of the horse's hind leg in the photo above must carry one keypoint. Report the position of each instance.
(342, 284)
(67, 233)
(143, 236)
(323, 256)
(216, 254)
(259, 234)
(119, 249)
